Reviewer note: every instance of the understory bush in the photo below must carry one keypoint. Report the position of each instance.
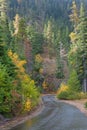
(69, 95)
(72, 90)
(64, 92)
(63, 95)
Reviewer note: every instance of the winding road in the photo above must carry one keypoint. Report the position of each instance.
(56, 116)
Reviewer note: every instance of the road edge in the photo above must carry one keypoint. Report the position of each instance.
(19, 120)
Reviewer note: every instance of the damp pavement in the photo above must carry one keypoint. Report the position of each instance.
(56, 116)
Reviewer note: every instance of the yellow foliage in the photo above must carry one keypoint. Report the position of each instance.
(81, 70)
(38, 58)
(41, 71)
(74, 15)
(10, 53)
(16, 24)
(73, 50)
(18, 63)
(32, 82)
(62, 88)
(27, 84)
(44, 85)
(26, 78)
(73, 37)
(83, 95)
(28, 105)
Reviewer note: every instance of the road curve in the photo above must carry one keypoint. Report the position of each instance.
(56, 116)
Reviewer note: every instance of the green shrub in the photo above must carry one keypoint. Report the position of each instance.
(68, 95)
(63, 95)
(65, 92)
(73, 96)
(83, 95)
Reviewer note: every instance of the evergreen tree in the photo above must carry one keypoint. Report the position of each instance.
(3, 9)
(58, 47)
(5, 39)
(74, 15)
(78, 51)
(73, 82)
(82, 41)
(74, 18)
(6, 35)
(2, 48)
(19, 35)
(49, 37)
(22, 29)
(36, 40)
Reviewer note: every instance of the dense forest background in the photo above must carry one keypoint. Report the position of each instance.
(41, 46)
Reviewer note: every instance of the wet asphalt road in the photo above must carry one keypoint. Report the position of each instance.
(56, 116)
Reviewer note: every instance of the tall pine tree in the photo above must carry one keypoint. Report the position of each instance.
(82, 41)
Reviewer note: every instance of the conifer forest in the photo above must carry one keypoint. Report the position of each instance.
(43, 50)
